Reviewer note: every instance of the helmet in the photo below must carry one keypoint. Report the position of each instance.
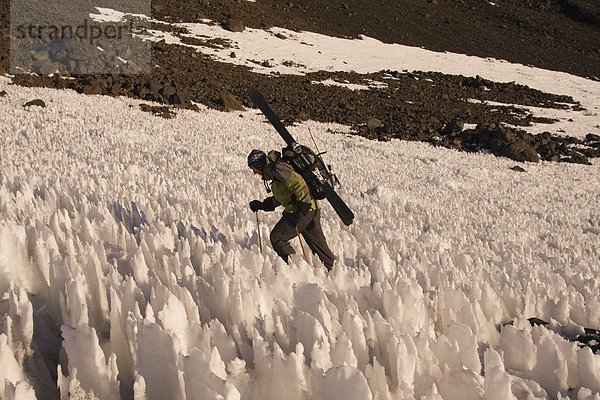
(257, 159)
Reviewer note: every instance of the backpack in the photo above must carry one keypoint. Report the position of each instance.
(310, 166)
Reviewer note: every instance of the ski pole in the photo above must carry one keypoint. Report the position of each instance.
(302, 246)
(258, 229)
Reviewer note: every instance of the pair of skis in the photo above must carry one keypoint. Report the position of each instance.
(340, 207)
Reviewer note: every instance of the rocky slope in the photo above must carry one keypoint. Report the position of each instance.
(559, 35)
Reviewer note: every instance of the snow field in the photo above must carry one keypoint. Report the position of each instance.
(129, 257)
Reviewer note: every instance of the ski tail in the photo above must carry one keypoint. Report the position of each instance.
(260, 102)
(340, 207)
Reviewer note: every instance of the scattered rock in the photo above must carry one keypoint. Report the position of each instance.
(590, 137)
(3, 93)
(433, 122)
(453, 126)
(35, 102)
(518, 169)
(374, 123)
(576, 157)
(507, 142)
(160, 111)
(154, 87)
(168, 91)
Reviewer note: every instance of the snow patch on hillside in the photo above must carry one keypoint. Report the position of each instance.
(281, 51)
(566, 121)
(368, 84)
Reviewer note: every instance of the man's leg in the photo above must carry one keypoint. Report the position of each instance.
(313, 234)
(284, 231)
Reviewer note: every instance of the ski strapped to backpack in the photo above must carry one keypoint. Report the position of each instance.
(307, 163)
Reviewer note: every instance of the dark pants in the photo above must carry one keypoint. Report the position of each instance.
(310, 228)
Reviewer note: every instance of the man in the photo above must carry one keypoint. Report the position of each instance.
(301, 215)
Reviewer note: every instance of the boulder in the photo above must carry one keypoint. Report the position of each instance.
(41, 55)
(154, 86)
(591, 138)
(231, 103)
(35, 102)
(520, 151)
(374, 123)
(92, 89)
(502, 134)
(575, 157)
(180, 99)
(168, 91)
(507, 142)
(234, 25)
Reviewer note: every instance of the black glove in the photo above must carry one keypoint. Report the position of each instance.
(256, 205)
(269, 204)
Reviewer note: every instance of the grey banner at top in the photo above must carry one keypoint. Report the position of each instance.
(79, 37)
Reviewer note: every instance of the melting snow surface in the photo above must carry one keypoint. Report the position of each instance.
(129, 256)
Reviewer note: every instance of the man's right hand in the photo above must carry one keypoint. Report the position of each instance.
(256, 205)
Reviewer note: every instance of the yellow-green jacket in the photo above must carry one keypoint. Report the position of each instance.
(288, 186)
